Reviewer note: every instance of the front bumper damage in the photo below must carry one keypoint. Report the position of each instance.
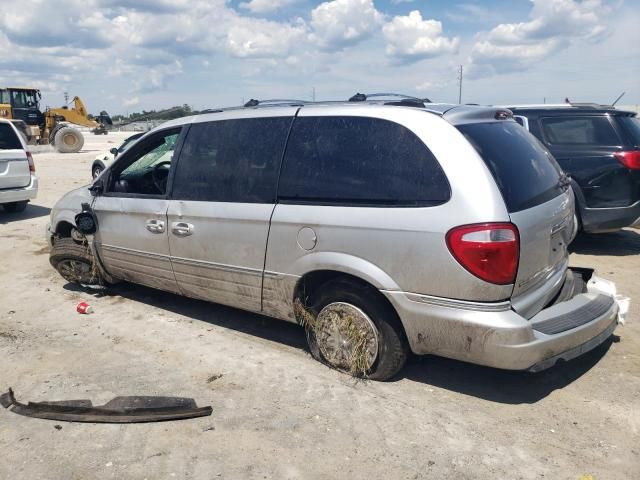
(133, 409)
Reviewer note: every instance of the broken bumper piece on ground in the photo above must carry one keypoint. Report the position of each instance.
(119, 410)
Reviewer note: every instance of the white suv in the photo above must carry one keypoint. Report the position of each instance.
(18, 181)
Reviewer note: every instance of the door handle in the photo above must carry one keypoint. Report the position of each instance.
(182, 229)
(155, 226)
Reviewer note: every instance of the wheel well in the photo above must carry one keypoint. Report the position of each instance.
(64, 229)
(310, 283)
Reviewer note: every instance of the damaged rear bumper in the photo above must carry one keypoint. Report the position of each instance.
(495, 335)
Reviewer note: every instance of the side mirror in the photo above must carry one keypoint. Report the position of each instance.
(97, 188)
(114, 151)
(86, 222)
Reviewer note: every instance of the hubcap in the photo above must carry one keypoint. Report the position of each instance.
(76, 271)
(69, 139)
(346, 337)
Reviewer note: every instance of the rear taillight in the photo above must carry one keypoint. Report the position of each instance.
(490, 251)
(630, 159)
(32, 166)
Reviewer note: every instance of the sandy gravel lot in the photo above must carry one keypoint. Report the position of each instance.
(277, 414)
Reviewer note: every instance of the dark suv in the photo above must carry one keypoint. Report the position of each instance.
(599, 147)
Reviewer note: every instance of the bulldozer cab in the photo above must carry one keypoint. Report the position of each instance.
(21, 104)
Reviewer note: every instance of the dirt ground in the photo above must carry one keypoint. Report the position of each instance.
(277, 414)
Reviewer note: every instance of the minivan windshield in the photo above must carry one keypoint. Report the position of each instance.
(526, 173)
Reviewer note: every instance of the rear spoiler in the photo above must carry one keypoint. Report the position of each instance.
(472, 114)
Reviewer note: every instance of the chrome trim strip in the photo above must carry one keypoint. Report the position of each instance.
(278, 275)
(130, 251)
(464, 304)
(216, 266)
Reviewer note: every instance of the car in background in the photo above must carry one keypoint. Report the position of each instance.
(599, 148)
(104, 159)
(18, 181)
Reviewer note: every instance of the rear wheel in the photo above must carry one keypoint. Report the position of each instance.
(68, 140)
(74, 262)
(353, 329)
(14, 207)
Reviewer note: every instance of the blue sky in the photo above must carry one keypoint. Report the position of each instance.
(128, 55)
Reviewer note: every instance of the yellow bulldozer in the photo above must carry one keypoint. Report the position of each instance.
(54, 125)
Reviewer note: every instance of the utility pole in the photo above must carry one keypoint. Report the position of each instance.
(66, 98)
(460, 85)
(313, 94)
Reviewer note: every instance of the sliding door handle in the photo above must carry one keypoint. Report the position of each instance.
(182, 229)
(155, 226)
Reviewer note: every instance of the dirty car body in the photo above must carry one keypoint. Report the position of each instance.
(449, 223)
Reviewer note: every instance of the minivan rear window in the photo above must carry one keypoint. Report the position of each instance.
(526, 173)
(8, 138)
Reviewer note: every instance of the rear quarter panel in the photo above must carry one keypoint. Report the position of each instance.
(395, 249)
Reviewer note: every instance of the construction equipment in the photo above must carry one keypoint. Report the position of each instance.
(54, 125)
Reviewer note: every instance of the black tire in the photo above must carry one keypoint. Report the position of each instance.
(68, 140)
(97, 170)
(74, 262)
(393, 349)
(15, 207)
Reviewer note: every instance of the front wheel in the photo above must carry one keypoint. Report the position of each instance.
(97, 170)
(354, 330)
(74, 262)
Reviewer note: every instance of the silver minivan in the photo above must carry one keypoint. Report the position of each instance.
(383, 227)
(18, 181)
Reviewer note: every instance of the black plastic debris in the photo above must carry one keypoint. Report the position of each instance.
(119, 410)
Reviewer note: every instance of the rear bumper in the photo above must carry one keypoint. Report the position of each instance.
(20, 194)
(495, 335)
(597, 220)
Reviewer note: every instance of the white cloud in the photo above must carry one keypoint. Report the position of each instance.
(341, 23)
(249, 37)
(412, 38)
(265, 6)
(554, 25)
(131, 102)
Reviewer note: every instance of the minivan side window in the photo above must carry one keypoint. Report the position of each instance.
(145, 169)
(580, 131)
(359, 161)
(232, 160)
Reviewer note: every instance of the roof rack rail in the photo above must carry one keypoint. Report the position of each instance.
(589, 105)
(361, 97)
(254, 103)
(403, 100)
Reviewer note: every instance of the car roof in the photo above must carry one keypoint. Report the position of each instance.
(455, 114)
